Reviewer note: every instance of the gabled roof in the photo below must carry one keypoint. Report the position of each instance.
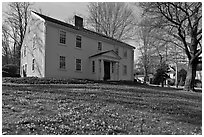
(105, 52)
(80, 29)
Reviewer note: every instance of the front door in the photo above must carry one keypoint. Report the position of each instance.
(106, 70)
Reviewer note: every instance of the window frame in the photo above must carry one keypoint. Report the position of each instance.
(125, 53)
(78, 41)
(113, 67)
(26, 67)
(117, 50)
(34, 41)
(93, 66)
(99, 46)
(124, 69)
(62, 62)
(33, 64)
(77, 64)
(24, 50)
(62, 38)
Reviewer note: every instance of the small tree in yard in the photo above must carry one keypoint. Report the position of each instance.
(182, 76)
(161, 74)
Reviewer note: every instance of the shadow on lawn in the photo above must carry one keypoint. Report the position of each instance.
(178, 110)
(139, 99)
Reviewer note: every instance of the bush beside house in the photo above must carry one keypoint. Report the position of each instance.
(10, 70)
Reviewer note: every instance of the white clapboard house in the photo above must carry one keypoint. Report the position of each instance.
(55, 49)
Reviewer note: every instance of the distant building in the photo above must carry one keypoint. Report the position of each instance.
(52, 48)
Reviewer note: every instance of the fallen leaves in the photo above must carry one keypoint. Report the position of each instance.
(98, 111)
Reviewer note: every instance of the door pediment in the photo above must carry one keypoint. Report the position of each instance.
(107, 54)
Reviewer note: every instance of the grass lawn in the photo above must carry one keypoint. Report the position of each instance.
(98, 109)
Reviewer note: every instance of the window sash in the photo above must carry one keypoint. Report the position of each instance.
(78, 41)
(62, 37)
(99, 46)
(33, 64)
(125, 53)
(34, 41)
(124, 70)
(112, 67)
(78, 64)
(25, 67)
(93, 66)
(62, 62)
(24, 51)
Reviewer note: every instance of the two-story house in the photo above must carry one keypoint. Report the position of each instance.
(52, 48)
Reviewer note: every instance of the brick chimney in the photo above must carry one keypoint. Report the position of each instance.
(78, 21)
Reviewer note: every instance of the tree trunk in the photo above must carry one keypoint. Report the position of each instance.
(145, 75)
(191, 74)
(162, 83)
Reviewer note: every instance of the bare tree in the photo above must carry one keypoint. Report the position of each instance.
(6, 49)
(182, 21)
(112, 19)
(17, 18)
(144, 47)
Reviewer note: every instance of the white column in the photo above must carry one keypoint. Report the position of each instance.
(102, 69)
(111, 75)
(117, 70)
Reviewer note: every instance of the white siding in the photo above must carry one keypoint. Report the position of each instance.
(35, 28)
(89, 47)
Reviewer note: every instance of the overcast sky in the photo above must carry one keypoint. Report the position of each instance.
(59, 10)
(64, 10)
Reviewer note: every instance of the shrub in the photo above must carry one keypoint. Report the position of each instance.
(171, 82)
(10, 70)
(182, 77)
(161, 74)
(198, 83)
(5, 74)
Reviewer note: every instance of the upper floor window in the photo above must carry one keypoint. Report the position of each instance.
(25, 67)
(34, 41)
(124, 69)
(99, 45)
(33, 64)
(112, 67)
(62, 37)
(78, 41)
(78, 64)
(62, 62)
(93, 66)
(125, 53)
(24, 52)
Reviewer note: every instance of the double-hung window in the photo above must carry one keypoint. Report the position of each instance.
(33, 64)
(93, 66)
(78, 41)
(24, 52)
(25, 67)
(113, 67)
(62, 62)
(125, 53)
(78, 64)
(62, 37)
(124, 69)
(99, 45)
(34, 41)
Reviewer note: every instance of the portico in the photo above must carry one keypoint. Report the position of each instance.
(108, 65)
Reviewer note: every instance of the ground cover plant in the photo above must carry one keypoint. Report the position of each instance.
(99, 108)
